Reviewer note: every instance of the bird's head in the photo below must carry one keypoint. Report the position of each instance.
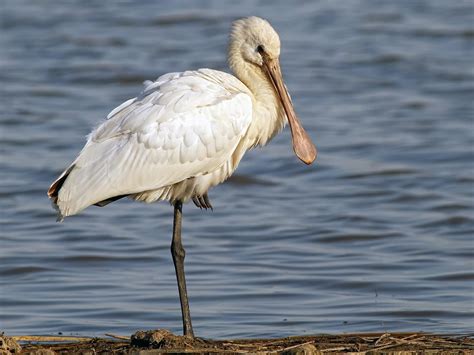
(254, 37)
(255, 45)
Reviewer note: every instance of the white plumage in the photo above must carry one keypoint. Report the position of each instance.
(185, 133)
(182, 127)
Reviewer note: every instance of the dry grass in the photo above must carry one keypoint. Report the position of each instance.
(162, 342)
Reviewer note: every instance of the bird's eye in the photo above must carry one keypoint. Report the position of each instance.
(260, 49)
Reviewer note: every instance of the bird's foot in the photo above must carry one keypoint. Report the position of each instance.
(202, 201)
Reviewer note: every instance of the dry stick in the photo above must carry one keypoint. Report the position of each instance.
(408, 341)
(383, 336)
(260, 345)
(383, 347)
(291, 347)
(334, 349)
(369, 339)
(413, 336)
(246, 345)
(397, 344)
(121, 337)
(441, 340)
(43, 338)
(206, 350)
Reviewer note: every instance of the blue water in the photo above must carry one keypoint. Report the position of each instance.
(377, 236)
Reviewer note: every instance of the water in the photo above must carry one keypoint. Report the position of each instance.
(377, 236)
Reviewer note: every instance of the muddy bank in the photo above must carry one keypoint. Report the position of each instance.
(162, 341)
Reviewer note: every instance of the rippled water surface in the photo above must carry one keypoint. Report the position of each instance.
(377, 236)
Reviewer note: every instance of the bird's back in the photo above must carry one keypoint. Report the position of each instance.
(182, 126)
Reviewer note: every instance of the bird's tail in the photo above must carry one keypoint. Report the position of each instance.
(84, 183)
(53, 191)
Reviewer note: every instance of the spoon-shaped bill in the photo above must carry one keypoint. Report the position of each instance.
(302, 144)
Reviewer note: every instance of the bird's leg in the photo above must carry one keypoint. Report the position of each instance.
(178, 253)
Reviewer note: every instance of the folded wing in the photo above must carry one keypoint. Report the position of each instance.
(182, 125)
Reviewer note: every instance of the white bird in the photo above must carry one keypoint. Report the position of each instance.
(185, 133)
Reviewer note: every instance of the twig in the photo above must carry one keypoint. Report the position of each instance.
(244, 345)
(383, 347)
(412, 336)
(121, 337)
(44, 338)
(414, 340)
(334, 349)
(290, 347)
(383, 336)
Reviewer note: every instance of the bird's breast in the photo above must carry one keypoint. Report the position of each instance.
(268, 118)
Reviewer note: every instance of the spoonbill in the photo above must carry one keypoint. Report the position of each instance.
(185, 133)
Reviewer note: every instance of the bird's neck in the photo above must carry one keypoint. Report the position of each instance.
(268, 114)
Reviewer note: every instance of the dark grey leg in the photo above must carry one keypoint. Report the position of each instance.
(178, 253)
